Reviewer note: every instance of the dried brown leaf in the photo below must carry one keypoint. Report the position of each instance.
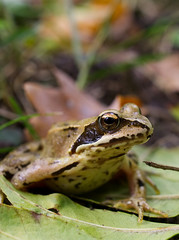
(68, 100)
(119, 101)
(164, 73)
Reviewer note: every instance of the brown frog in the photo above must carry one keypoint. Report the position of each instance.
(77, 157)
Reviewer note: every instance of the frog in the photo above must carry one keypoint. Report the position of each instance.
(79, 156)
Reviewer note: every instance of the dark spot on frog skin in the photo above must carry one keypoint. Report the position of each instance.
(117, 148)
(84, 168)
(98, 151)
(140, 183)
(68, 167)
(18, 168)
(139, 135)
(77, 185)
(71, 180)
(24, 165)
(106, 173)
(119, 155)
(133, 136)
(102, 160)
(40, 147)
(26, 150)
(84, 178)
(70, 129)
(92, 161)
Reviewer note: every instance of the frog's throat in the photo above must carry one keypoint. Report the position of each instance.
(93, 133)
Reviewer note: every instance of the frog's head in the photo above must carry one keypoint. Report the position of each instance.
(114, 129)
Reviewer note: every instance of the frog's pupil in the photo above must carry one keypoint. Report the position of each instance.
(109, 120)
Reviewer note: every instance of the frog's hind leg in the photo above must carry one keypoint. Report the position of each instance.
(137, 200)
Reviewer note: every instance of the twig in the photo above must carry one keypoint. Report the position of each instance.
(164, 167)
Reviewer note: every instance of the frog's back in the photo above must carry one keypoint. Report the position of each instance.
(61, 137)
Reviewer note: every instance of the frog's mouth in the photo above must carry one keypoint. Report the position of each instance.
(122, 141)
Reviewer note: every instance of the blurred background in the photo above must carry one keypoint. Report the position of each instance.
(122, 51)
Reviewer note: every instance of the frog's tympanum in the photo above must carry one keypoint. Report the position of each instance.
(77, 157)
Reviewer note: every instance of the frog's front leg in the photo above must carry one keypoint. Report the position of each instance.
(137, 200)
(41, 169)
(19, 159)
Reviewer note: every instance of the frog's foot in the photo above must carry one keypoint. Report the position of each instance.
(137, 203)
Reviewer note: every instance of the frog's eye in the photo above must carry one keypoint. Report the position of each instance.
(109, 121)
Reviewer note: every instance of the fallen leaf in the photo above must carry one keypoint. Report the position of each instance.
(83, 103)
(67, 100)
(164, 73)
(119, 101)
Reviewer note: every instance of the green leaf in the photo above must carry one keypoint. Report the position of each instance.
(55, 216)
(18, 119)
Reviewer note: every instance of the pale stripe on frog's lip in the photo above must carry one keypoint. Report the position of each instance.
(123, 141)
(94, 133)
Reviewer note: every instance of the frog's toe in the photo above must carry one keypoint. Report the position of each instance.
(140, 205)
